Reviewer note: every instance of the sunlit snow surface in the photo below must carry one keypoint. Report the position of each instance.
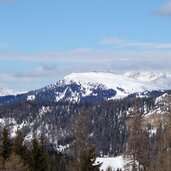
(160, 80)
(123, 84)
(31, 97)
(7, 92)
(113, 162)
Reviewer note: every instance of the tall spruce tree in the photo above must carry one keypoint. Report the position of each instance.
(19, 147)
(39, 156)
(6, 146)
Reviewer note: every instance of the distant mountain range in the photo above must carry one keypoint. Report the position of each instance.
(94, 86)
(9, 92)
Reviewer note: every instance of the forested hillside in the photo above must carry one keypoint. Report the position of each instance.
(81, 132)
(106, 121)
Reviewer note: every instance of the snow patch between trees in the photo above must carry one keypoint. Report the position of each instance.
(113, 162)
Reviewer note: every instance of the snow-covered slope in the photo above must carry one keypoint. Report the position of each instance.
(96, 86)
(160, 80)
(7, 92)
(122, 84)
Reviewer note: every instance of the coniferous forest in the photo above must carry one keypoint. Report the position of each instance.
(142, 147)
(15, 155)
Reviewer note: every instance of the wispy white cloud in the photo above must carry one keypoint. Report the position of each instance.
(43, 75)
(164, 10)
(121, 43)
(52, 66)
(38, 72)
(85, 55)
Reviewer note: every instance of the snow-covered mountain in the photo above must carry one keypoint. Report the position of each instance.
(9, 92)
(122, 84)
(160, 80)
(95, 86)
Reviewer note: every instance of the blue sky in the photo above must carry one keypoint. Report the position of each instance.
(42, 41)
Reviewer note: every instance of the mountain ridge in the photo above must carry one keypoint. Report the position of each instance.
(94, 86)
(9, 92)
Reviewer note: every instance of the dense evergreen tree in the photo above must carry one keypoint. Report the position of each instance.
(6, 146)
(39, 156)
(88, 161)
(19, 147)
